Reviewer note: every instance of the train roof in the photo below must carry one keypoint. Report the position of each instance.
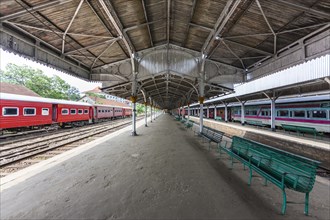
(8, 96)
(283, 100)
(114, 106)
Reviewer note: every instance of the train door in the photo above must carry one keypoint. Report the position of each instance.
(54, 113)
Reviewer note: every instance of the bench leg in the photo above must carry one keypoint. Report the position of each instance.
(284, 202)
(250, 177)
(306, 203)
(265, 182)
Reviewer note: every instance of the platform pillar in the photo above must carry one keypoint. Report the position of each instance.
(226, 112)
(150, 111)
(215, 112)
(133, 99)
(145, 114)
(272, 114)
(207, 112)
(242, 113)
(201, 113)
(188, 112)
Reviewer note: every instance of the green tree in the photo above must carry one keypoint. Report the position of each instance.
(139, 109)
(37, 81)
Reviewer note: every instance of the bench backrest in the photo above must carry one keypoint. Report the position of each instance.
(299, 172)
(215, 135)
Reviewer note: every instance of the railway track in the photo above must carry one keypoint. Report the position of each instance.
(17, 155)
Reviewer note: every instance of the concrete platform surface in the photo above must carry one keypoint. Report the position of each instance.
(164, 173)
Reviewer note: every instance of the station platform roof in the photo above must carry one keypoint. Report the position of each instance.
(173, 47)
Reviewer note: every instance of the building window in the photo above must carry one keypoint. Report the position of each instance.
(29, 111)
(65, 111)
(73, 111)
(45, 111)
(10, 111)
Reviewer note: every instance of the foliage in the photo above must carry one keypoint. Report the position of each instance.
(37, 81)
(95, 95)
(139, 108)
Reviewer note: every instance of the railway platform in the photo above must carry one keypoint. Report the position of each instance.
(166, 172)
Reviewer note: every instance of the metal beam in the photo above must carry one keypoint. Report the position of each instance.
(99, 56)
(235, 55)
(221, 22)
(146, 17)
(248, 47)
(202, 27)
(190, 18)
(57, 32)
(117, 26)
(269, 26)
(68, 27)
(305, 9)
(94, 45)
(168, 20)
(39, 7)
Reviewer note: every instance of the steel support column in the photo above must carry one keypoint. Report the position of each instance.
(133, 99)
(188, 112)
(215, 112)
(226, 112)
(242, 113)
(273, 112)
(145, 114)
(150, 111)
(207, 112)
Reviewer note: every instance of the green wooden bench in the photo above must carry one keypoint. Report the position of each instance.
(255, 123)
(218, 118)
(301, 130)
(211, 135)
(283, 169)
(177, 117)
(189, 124)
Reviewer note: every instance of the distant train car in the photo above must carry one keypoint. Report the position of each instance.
(118, 112)
(72, 113)
(127, 112)
(102, 112)
(306, 111)
(24, 111)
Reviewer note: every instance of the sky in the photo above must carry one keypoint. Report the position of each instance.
(82, 85)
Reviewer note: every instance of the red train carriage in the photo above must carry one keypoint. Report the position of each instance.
(103, 112)
(24, 111)
(72, 113)
(118, 112)
(127, 112)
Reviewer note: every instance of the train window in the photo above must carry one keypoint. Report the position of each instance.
(45, 111)
(103, 110)
(10, 111)
(265, 113)
(317, 114)
(29, 111)
(65, 111)
(80, 111)
(86, 111)
(251, 112)
(73, 111)
(282, 113)
(300, 114)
